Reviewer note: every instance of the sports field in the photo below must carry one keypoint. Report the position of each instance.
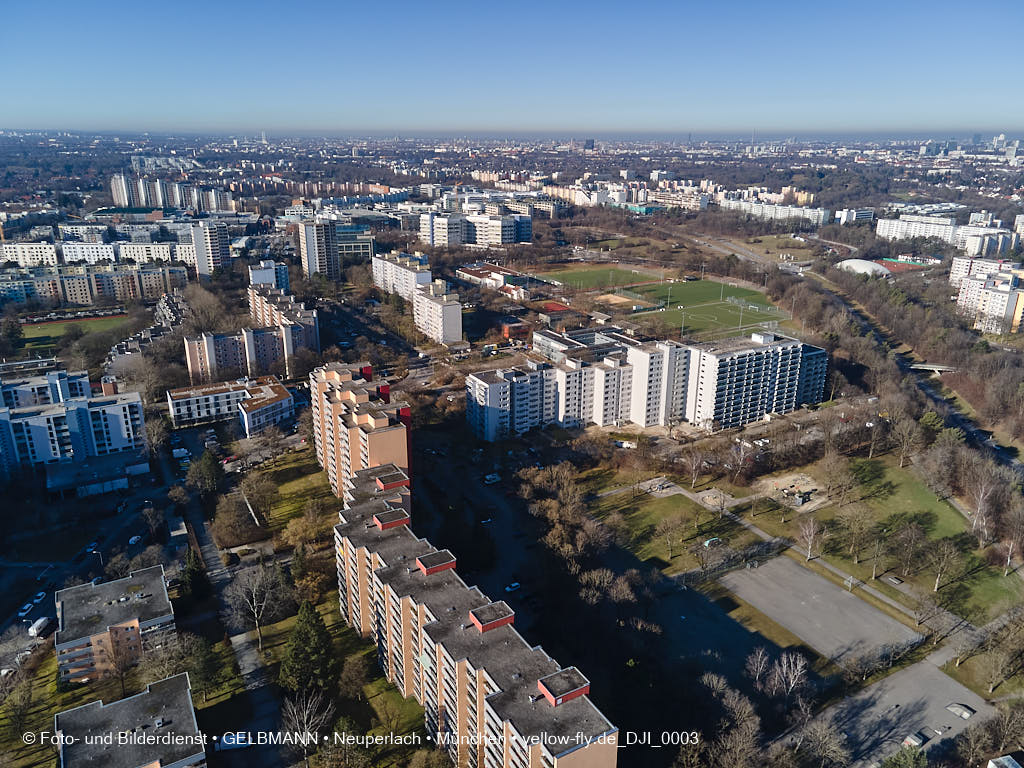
(40, 337)
(591, 278)
(704, 306)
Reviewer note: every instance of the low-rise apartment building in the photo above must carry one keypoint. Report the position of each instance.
(437, 313)
(355, 424)
(30, 254)
(272, 273)
(106, 626)
(256, 403)
(119, 734)
(513, 284)
(490, 698)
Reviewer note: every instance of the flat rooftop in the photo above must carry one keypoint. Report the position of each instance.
(90, 608)
(163, 710)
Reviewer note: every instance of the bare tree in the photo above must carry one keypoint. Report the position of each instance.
(307, 712)
(1013, 530)
(825, 745)
(906, 434)
(906, 546)
(255, 596)
(1007, 726)
(943, 557)
(19, 704)
(693, 462)
(982, 480)
(788, 674)
(670, 530)
(757, 666)
(857, 523)
(996, 666)
(810, 535)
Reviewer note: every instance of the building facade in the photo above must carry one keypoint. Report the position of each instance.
(101, 627)
(437, 313)
(490, 699)
(605, 378)
(272, 273)
(212, 246)
(355, 424)
(400, 273)
(256, 403)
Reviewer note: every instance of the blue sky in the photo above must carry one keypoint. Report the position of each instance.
(788, 67)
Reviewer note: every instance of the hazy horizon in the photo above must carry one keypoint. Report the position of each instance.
(569, 69)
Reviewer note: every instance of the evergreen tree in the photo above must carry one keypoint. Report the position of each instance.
(194, 583)
(204, 669)
(299, 562)
(908, 757)
(309, 660)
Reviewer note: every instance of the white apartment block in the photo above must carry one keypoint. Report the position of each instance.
(854, 215)
(967, 266)
(256, 403)
(90, 253)
(772, 212)
(212, 246)
(442, 231)
(318, 250)
(143, 253)
(401, 273)
(974, 240)
(185, 253)
(31, 254)
(43, 388)
(272, 273)
(86, 233)
(437, 313)
(73, 430)
(995, 301)
(713, 386)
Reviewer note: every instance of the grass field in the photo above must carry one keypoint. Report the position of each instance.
(774, 245)
(298, 479)
(592, 278)
(636, 519)
(705, 308)
(40, 336)
(895, 496)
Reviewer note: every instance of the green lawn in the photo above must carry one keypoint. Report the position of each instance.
(704, 306)
(590, 278)
(378, 695)
(298, 479)
(48, 701)
(41, 336)
(636, 518)
(896, 496)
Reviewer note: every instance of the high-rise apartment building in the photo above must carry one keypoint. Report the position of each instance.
(326, 247)
(283, 328)
(71, 430)
(968, 266)
(212, 245)
(437, 313)
(974, 240)
(606, 378)
(43, 388)
(400, 273)
(90, 253)
(355, 424)
(85, 285)
(490, 698)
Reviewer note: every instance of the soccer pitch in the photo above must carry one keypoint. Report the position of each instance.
(592, 278)
(706, 307)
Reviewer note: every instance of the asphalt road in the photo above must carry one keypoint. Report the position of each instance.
(829, 619)
(877, 719)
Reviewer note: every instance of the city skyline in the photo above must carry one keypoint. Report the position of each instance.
(563, 70)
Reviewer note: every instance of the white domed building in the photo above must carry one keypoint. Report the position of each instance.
(863, 267)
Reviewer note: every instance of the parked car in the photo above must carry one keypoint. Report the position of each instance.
(25, 610)
(134, 540)
(39, 597)
(513, 586)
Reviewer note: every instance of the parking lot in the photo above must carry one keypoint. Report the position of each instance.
(831, 620)
(912, 700)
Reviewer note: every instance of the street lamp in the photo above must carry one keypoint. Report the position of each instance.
(97, 552)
